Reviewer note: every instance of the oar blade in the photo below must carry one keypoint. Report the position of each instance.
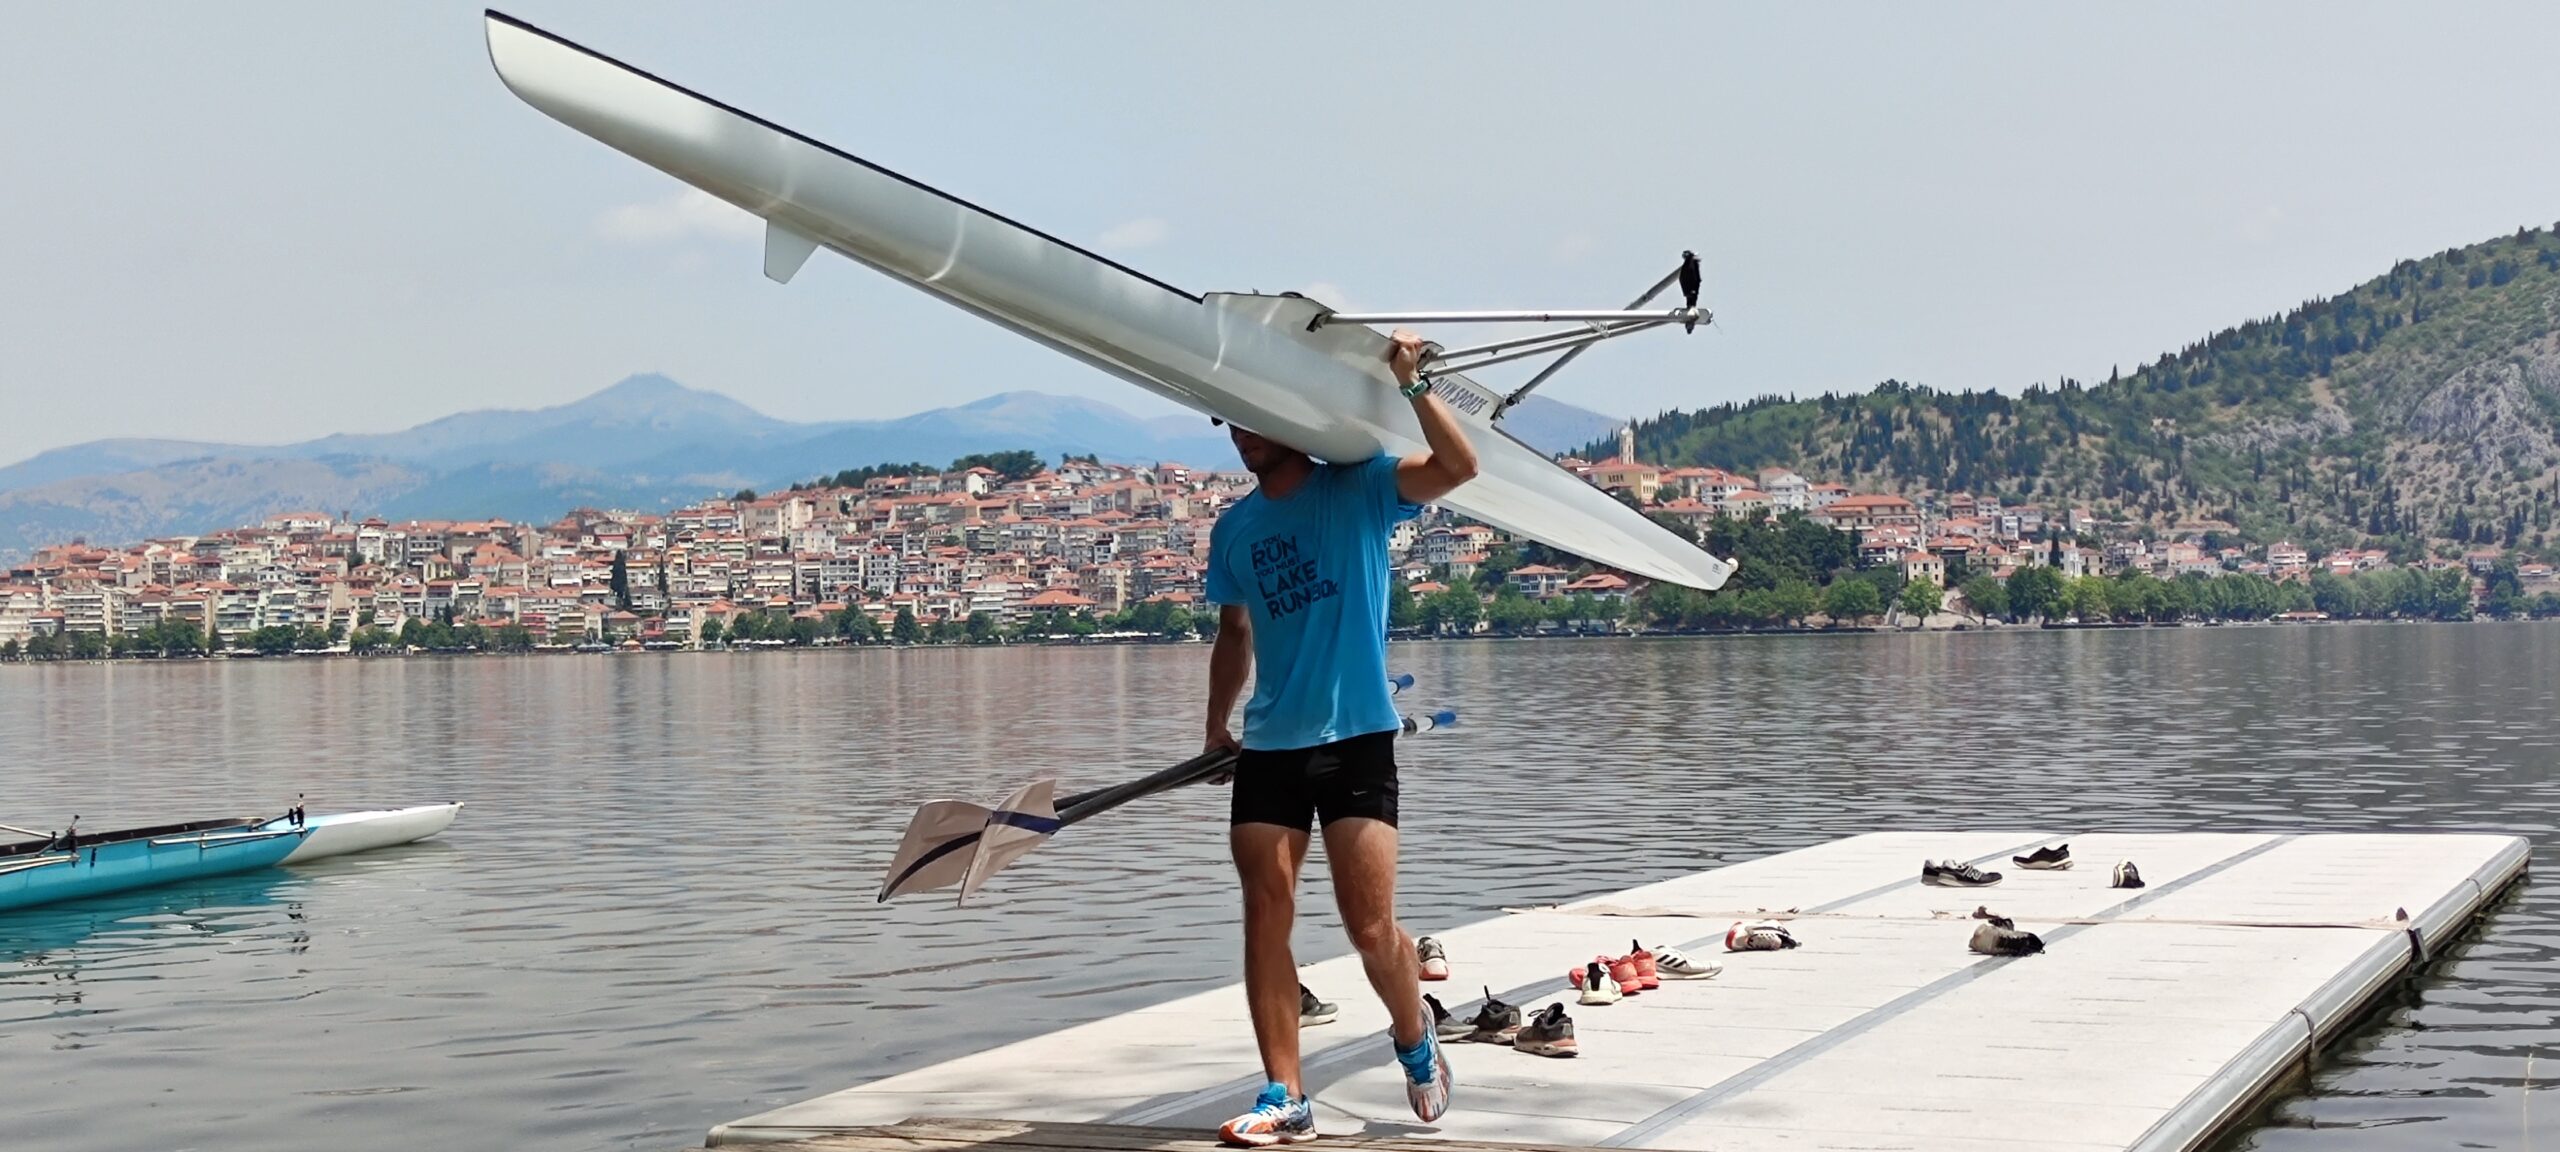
(941, 840)
(1019, 824)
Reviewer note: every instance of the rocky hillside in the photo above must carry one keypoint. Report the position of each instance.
(2418, 410)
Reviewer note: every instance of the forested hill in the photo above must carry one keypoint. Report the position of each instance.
(2420, 409)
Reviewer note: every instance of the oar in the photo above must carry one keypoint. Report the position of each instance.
(955, 843)
(949, 841)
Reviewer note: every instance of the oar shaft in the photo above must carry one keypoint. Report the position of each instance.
(1083, 804)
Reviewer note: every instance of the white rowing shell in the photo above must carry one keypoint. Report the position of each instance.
(1248, 358)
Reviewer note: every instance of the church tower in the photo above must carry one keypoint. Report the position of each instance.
(1627, 441)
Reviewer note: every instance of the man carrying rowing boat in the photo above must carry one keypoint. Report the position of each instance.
(1299, 571)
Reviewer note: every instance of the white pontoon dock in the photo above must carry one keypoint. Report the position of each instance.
(2154, 1020)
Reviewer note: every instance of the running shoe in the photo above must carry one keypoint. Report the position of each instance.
(1427, 1080)
(2045, 859)
(1646, 967)
(1622, 969)
(1495, 1023)
(1759, 936)
(1956, 874)
(2127, 876)
(1997, 937)
(1597, 987)
(1435, 959)
(1444, 1025)
(1275, 1119)
(1549, 1033)
(1673, 964)
(1312, 1011)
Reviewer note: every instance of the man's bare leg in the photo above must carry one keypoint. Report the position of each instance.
(1362, 854)
(1268, 857)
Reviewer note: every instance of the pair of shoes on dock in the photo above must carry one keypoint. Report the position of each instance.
(1494, 1023)
(1961, 874)
(1608, 979)
(1548, 1032)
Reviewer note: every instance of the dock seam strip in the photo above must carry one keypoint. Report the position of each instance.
(1335, 1056)
(1760, 1073)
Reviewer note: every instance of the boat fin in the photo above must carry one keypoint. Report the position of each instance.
(941, 841)
(785, 250)
(1021, 823)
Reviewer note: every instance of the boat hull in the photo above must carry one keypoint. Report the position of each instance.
(120, 862)
(1253, 360)
(340, 833)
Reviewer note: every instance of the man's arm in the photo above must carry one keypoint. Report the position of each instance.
(1230, 657)
(1451, 461)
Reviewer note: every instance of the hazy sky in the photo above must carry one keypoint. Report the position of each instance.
(268, 222)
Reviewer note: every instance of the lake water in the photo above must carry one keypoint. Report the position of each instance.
(656, 913)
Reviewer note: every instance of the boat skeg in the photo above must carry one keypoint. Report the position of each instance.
(785, 251)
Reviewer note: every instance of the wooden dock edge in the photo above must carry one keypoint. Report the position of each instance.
(2284, 1054)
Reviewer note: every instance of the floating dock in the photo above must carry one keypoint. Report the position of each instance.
(2155, 1019)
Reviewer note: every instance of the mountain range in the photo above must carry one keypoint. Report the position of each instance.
(2418, 411)
(647, 442)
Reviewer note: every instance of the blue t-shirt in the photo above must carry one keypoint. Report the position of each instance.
(1312, 569)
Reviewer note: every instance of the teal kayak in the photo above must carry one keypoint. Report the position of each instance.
(71, 865)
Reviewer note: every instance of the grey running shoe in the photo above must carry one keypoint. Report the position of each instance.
(1955, 874)
(2127, 876)
(1549, 1033)
(1312, 1011)
(1446, 1026)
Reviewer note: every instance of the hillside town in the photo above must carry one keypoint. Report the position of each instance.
(975, 554)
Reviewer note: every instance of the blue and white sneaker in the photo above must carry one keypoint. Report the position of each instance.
(1427, 1080)
(1275, 1119)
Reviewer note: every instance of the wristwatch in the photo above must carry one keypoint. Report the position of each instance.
(1414, 390)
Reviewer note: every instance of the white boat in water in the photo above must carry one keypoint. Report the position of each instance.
(339, 833)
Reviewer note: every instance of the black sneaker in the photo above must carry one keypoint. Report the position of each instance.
(1997, 937)
(2127, 876)
(1549, 1033)
(1444, 1025)
(1312, 1011)
(1956, 874)
(2045, 859)
(1495, 1023)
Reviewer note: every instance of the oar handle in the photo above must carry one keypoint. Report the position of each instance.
(1076, 806)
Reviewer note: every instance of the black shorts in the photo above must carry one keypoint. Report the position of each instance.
(1293, 787)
